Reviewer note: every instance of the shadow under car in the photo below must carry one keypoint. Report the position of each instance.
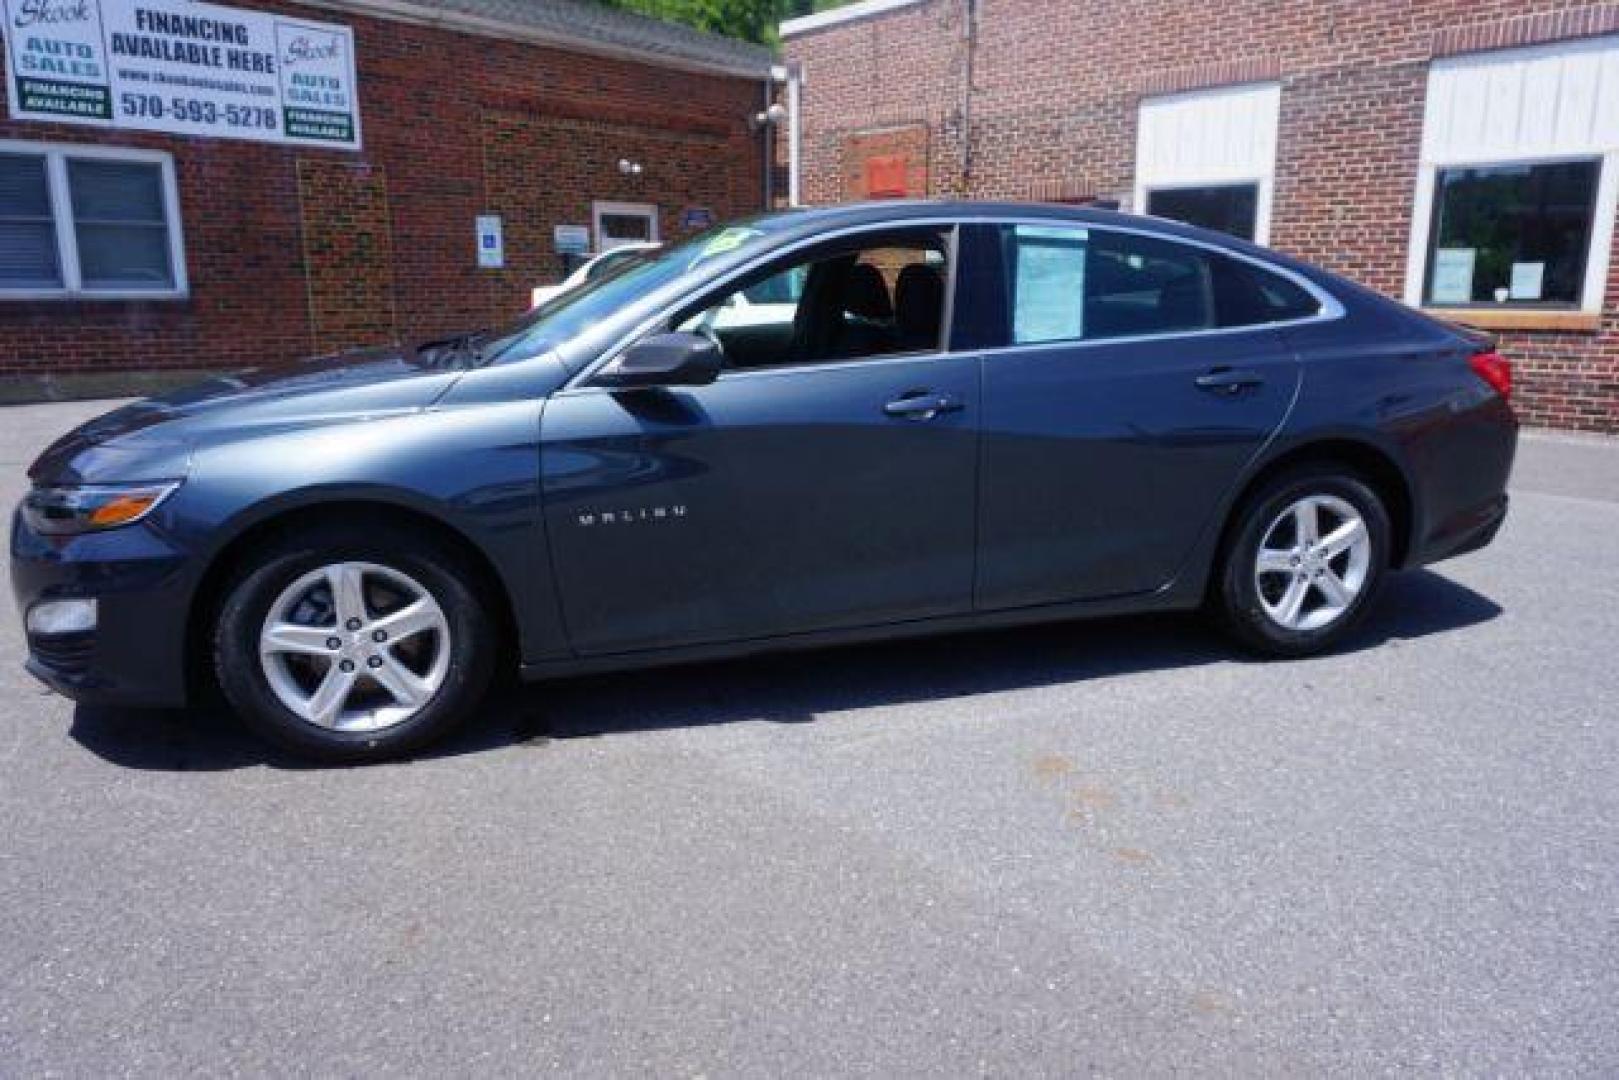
(791, 687)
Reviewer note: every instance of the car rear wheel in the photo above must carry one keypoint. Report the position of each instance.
(1307, 556)
(347, 647)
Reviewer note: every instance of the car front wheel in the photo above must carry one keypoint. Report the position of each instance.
(346, 647)
(1307, 556)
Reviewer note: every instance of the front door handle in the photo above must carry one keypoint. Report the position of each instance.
(1226, 380)
(922, 405)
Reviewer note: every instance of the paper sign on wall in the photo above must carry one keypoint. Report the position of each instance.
(570, 239)
(491, 242)
(182, 67)
(1453, 275)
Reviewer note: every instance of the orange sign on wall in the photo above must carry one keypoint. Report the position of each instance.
(885, 177)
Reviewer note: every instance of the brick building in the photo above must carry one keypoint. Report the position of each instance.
(1460, 154)
(188, 186)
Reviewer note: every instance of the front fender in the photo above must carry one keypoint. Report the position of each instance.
(473, 469)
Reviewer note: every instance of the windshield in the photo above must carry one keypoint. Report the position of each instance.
(571, 314)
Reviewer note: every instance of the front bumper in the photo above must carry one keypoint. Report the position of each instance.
(136, 655)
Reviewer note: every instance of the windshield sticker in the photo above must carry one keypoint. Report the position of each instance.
(729, 240)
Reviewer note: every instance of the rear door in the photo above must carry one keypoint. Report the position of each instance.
(1134, 378)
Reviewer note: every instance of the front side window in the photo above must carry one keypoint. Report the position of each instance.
(882, 296)
(783, 288)
(1066, 283)
(80, 224)
(1229, 208)
(1516, 234)
(577, 311)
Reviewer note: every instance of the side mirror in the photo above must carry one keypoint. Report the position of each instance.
(678, 359)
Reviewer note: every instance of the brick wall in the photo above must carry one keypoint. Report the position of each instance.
(290, 250)
(1056, 87)
(348, 253)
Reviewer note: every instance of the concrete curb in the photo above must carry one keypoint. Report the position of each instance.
(1580, 438)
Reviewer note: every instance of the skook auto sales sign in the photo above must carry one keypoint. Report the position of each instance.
(186, 68)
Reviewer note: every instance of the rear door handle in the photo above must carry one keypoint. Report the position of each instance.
(922, 405)
(1225, 380)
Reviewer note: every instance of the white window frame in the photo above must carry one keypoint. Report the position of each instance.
(1262, 184)
(599, 210)
(56, 157)
(1262, 175)
(1598, 250)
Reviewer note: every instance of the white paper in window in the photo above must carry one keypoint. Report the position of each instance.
(1528, 280)
(1050, 304)
(1453, 275)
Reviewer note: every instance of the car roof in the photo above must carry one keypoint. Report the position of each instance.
(878, 210)
(809, 220)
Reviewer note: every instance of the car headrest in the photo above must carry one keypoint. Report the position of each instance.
(919, 302)
(866, 294)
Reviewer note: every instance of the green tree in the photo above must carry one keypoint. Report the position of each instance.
(750, 20)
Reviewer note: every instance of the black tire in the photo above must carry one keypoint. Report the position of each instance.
(1236, 594)
(283, 561)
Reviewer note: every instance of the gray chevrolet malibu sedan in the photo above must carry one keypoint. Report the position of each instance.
(957, 415)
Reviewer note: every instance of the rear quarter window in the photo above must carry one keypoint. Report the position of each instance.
(1246, 295)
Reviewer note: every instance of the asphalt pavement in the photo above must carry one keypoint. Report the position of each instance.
(1107, 847)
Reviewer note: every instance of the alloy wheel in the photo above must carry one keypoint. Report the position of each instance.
(1313, 562)
(355, 646)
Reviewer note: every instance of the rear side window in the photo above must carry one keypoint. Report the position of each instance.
(1067, 283)
(1245, 295)
(1139, 285)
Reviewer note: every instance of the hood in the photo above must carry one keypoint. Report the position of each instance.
(152, 439)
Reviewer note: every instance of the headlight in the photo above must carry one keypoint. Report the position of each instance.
(66, 511)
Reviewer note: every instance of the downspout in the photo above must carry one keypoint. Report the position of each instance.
(795, 82)
(767, 143)
(969, 32)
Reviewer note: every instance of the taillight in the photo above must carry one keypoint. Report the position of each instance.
(1494, 369)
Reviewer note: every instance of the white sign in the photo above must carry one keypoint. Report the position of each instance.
(1050, 272)
(182, 67)
(571, 239)
(491, 245)
(1453, 275)
(1528, 280)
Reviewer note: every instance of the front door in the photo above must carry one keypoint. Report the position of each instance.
(825, 480)
(1137, 378)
